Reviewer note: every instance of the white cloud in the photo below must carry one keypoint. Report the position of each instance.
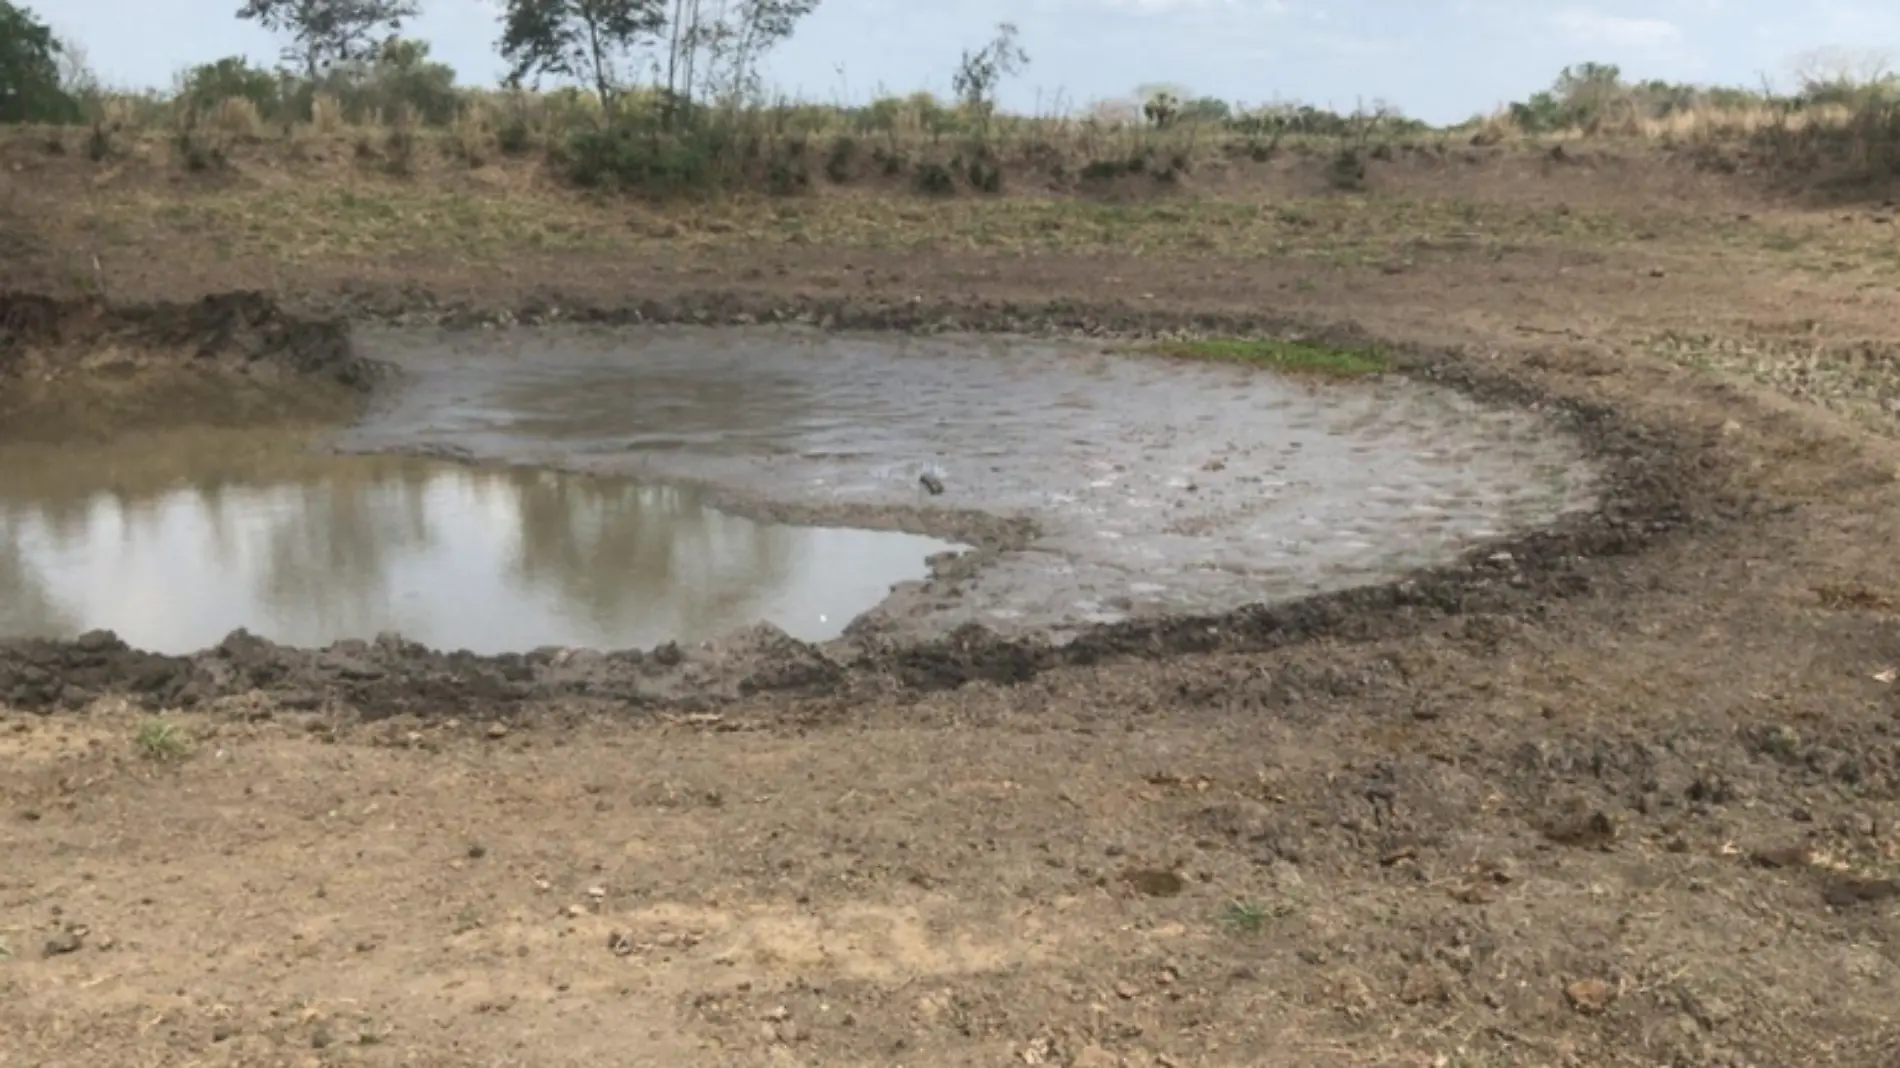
(1594, 27)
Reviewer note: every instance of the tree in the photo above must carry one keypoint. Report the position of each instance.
(30, 74)
(403, 73)
(1841, 75)
(327, 32)
(980, 72)
(1208, 109)
(708, 46)
(721, 51)
(589, 40)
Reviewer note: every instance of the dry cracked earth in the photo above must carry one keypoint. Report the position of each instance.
(1625, 796)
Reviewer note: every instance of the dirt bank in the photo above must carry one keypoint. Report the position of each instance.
(1658, 482)
(81, 369)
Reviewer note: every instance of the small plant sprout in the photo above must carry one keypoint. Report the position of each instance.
(1243, 917)
(162, 740)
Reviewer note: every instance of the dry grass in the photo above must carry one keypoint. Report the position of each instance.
(920, 120)
(326, 115)
(938, 148)
(237, 118)
(358, 218)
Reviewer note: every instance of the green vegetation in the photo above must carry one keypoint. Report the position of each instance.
(1250, 917)
(1289, 357)
(1243, 917)
(31, 88)
(161, 740)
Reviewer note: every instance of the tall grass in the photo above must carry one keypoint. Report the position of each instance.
(409, 115)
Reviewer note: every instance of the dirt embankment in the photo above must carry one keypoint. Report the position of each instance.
(1657, 482)
(77, 369)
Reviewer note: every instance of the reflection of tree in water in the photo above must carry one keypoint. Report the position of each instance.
(330, 532)
(26, 606)
(318, 540)
(329, 554)
(613, 548)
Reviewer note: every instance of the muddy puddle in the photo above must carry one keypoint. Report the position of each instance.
(173, 540)
(1138, 487)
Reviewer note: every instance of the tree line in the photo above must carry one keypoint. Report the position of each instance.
(689, 50)
(684, 53)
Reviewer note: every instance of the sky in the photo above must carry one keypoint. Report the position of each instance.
(1438, 60)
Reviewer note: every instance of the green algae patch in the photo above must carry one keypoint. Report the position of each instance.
(1288, 357)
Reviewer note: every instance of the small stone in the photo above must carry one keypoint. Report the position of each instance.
(1791, 856)
(498, 730)
(576, 911)
(1854, 890)
(1127, 991)
(1155, 883)
(67, 941)
(1591, 997)
(1585, 830)
(597, 892)
(1423, 985)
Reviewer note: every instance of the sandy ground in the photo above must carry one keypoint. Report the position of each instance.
(1632, 802)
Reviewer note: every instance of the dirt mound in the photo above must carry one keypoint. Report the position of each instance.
(390, 676)
(242, 332)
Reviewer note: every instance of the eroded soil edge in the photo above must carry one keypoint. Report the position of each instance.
(1657, 481)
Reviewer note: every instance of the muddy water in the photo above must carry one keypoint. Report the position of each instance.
(174, 540)
(1156, 486)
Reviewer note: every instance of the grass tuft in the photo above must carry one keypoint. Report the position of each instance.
(160, 740)
(1290, 357)
(1250, 917)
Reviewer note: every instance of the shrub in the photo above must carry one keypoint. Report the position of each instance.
(626, 156)
(838, 160)
(232, 78)
(936, 180)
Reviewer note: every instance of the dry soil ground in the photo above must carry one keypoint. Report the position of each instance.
(1637, 804)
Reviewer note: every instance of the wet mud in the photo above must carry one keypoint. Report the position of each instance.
(1652, 484)
(1103, 485)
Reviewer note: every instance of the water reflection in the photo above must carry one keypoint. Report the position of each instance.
(173, 547)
